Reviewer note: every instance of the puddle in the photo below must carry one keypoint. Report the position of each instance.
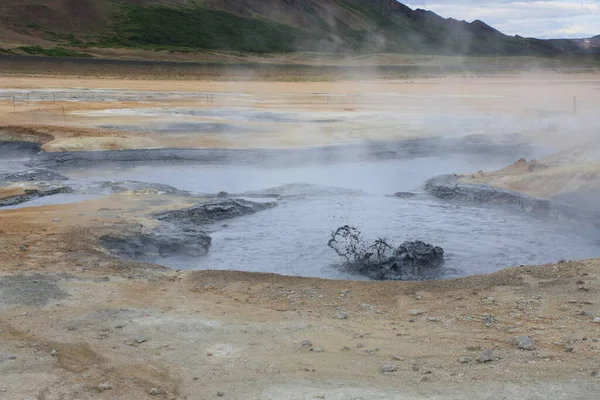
(291, 238)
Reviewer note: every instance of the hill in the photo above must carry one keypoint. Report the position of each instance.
(354, 26)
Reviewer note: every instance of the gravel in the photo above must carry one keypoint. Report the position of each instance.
(30, 290)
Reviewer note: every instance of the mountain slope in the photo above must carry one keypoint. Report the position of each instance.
(259, 26)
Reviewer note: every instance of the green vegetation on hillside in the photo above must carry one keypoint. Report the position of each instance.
(199, 28)
(55, 52)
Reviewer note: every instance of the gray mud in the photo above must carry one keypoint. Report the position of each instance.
(369, 151)
(212, 212)
(181, 127)
(162, 242)
(42, 189)
(182, 232)
(32, 175)
(17, 149)
(448, 187)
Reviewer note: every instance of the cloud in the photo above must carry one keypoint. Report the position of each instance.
(531, 18)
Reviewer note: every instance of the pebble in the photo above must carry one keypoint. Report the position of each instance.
(525, 343)
(569, 348)
(359, 345)
(594, 374)
(465, 360)
(53, 352)
(416, 312)
(23, 247)
(399, 358)
(596, 320)
(140, 339)
(154, 392)
(105, 386)
(389, 368)
(342, 315)
(486, 355)
(317, 350)
(220, 394)
(305, 344)
(433, 319)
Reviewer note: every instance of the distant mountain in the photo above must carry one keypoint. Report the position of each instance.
(355, 26)
(586, 46)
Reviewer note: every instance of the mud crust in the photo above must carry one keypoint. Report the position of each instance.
(449, 187)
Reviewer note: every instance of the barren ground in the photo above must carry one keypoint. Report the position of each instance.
(74, 317)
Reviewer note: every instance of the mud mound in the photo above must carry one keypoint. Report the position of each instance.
(380, 261)
(214, 211)
(32, 175)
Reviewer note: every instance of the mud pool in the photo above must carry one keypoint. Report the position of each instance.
(315, 199)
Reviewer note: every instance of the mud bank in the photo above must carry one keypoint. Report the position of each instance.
(366, 151)
(181, 232)
(449, 187)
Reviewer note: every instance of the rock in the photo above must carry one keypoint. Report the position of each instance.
(220, 394)
(136, 341)
(416, 312)
(397, 357)
(222, 194)
(154, 392)
(596, 320)
(389, 368)
(465, 359)
(342, 315)
(525, 343)
(105, 386)
(568, 348)
(6, 357)
(54, 352)
(380, 261)
(32, 175)
(305, 344)
(23, 247)
(317, 350)
(486, 356)
(594, 374)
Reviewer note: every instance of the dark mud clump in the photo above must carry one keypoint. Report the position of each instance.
(136, 186)
(162, 242)
(214, 211)
(449, 187)
(181, 232)
(32, 175)
(381, 261)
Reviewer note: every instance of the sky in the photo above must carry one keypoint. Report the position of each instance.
(529, 18)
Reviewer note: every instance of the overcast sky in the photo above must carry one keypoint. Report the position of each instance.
(541, 19)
